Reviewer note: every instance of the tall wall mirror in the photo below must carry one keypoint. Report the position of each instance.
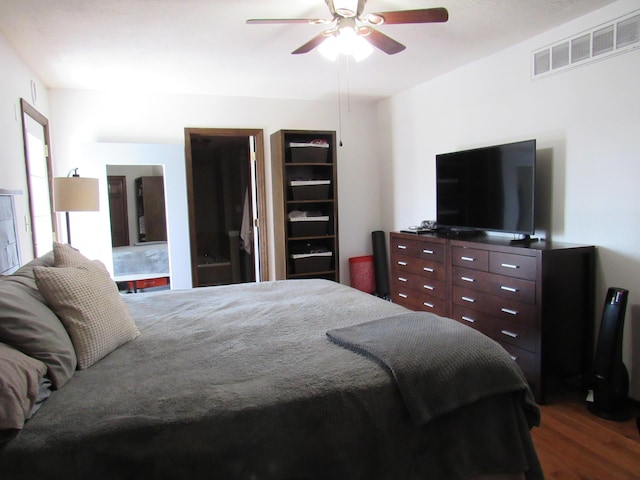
(137, 213)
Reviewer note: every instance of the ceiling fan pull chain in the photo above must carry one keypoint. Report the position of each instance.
(339, 103)
(348, 84)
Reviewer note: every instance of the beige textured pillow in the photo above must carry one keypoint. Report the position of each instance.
(20, 376)
(87, 301)
(66, 256)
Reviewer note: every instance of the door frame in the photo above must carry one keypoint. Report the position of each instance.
(27, 110)
(260, 187)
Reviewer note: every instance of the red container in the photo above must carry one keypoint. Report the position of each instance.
(362, 274)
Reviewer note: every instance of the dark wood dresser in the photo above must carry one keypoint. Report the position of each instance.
(536, 300)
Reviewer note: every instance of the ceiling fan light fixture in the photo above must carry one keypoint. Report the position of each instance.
(361, 49)
(345, 42)
(329, 48)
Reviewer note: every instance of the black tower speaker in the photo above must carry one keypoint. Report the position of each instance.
(610, 376)
(380, 265)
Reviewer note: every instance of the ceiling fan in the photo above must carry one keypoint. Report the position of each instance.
(350, 17)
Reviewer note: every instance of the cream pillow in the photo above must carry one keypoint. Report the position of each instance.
(66, 256)
(87, 301)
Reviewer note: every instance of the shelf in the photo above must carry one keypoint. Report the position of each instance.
(289, 165)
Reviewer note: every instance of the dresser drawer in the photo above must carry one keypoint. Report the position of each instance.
(470, 258)
(500, 285)
(421, 283)
(418, 248)
(498, 329)
(527, 361)
(415, 300)
(521, 313)
(402, 264)
(512, 265)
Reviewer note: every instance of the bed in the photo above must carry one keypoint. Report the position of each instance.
(282, 380)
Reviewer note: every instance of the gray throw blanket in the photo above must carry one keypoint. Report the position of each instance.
(417, 348)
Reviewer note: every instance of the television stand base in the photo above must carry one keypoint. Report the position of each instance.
(461, 233)
(525, 239)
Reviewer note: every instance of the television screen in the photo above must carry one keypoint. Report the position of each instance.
(490, 188)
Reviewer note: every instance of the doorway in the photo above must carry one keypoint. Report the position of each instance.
(118, 214)
(226, 202)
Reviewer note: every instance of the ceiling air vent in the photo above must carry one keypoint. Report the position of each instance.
(580, 48)
(603, 41)
(628, 32)
(611, 38)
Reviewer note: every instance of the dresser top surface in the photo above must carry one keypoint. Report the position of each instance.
(494, 241)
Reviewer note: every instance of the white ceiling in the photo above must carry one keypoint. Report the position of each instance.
(205, 46)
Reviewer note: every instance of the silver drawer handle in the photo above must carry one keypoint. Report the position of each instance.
(468, 279)
(428, 287)
(402, 247)
(509, 311)
(427, 269)
(508, 265)
(430, 252)
(404, 264)
(427, 304)
(509, 289)
(468, 319)
(469, 299)
(402, 279)
(509, 334)
(403, 295)
(468, 259)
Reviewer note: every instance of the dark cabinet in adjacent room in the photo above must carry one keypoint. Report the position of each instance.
(150, 209)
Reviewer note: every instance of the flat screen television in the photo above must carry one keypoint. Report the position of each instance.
(487, 189)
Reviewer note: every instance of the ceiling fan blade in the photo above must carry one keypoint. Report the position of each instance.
(310, 45)
(425, 15)
(379, 40)
(310, 21)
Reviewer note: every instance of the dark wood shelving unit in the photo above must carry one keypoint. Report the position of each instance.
(305, 181)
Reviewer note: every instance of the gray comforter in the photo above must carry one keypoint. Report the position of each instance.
(241, 382)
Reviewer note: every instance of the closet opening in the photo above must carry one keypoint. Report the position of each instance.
(225, 191)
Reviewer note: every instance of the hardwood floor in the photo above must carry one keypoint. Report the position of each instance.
(573, 444)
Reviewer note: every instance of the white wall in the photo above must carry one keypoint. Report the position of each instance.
(17, 81)
(84, 117)
(587, 123)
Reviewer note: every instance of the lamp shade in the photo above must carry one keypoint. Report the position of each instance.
(75, 194)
